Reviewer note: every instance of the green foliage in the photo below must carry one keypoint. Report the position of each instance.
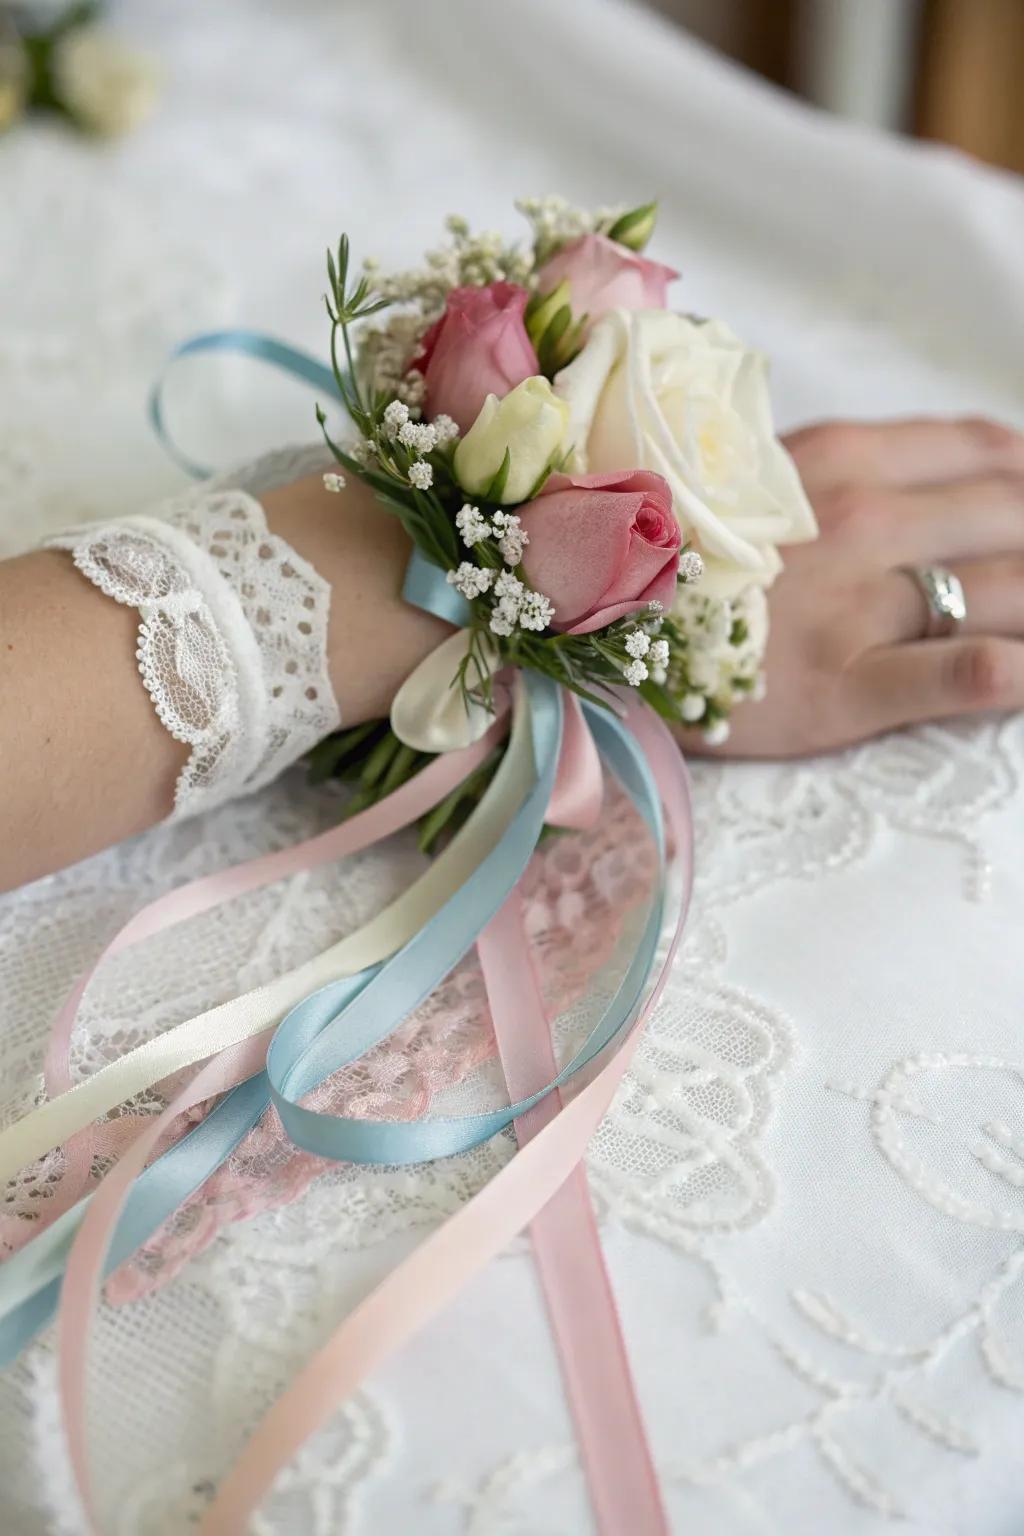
(496, 490)
(635, 228)
(455, 809)
(376, 763)
(556, 336)
(541, 309)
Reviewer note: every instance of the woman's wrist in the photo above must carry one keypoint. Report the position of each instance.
(375, 638)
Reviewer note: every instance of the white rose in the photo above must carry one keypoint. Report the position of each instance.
(654, 390)
(529, 424)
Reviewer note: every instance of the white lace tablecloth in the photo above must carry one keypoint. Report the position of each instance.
(818, 1252)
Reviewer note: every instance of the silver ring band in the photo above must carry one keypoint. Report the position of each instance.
(944, 597)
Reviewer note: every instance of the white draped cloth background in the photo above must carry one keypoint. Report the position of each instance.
(812, 1187)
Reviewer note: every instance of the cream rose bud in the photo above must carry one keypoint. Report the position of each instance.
(529, 424)
(686, 399)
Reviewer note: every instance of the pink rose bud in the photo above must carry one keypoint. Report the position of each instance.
(601, 546)
(604, 275)
(479, 347)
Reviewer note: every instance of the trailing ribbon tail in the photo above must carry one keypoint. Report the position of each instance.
(173, 1176)
(29, 1280)
(246, 1017)
(312, 1042)
(408, 1298)
(372, 1007)
(580, 1300)
(307, 1048)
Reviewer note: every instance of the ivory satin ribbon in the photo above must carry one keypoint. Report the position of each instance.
(88, 1254)
(233, 1023)
(30, 1279)
(396, 811)
(483, 1225)
(102, 1213)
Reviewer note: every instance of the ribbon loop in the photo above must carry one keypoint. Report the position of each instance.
(267, 349)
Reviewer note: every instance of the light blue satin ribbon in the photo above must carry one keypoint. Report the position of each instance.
(267, 349)
(315, 1039)
(425, 587)
(339, 1023)
(342, 1021)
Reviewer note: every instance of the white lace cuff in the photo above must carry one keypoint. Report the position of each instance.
(232, 640)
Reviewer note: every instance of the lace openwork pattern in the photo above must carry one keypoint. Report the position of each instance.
(232, 645)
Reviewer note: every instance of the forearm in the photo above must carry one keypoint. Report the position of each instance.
(375, 638)
(84, 759)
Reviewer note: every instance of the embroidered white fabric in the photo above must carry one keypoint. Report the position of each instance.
(810, 1187)
(232, 635)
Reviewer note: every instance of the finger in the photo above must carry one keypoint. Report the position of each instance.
(903, 453)
(935, 679)
(993, 594)
(966, 520)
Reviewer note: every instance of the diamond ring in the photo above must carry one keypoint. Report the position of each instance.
(944, 594)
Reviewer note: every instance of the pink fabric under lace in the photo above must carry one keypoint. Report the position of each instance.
(578, 890)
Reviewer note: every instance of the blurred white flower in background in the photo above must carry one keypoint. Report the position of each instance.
(107, 87)
(56, 57)
(13, 77)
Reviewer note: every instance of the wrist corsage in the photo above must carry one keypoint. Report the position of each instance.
(595, 499)
(596, 479)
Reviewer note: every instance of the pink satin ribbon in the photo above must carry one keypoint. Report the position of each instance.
(439, 1269)
(411, 801)
(579, 781)
(435, 1274)
(623, 1483)
(83, 1277)
(621, 1476)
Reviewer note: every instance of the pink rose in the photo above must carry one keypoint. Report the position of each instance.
(479, 347)
(601, 546)
(604, 275)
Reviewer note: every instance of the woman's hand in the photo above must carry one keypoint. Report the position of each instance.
(846, 655)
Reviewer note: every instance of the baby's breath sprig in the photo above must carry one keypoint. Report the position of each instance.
(464, 260)
(554, 222)
(405, 462)
(408, 463)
